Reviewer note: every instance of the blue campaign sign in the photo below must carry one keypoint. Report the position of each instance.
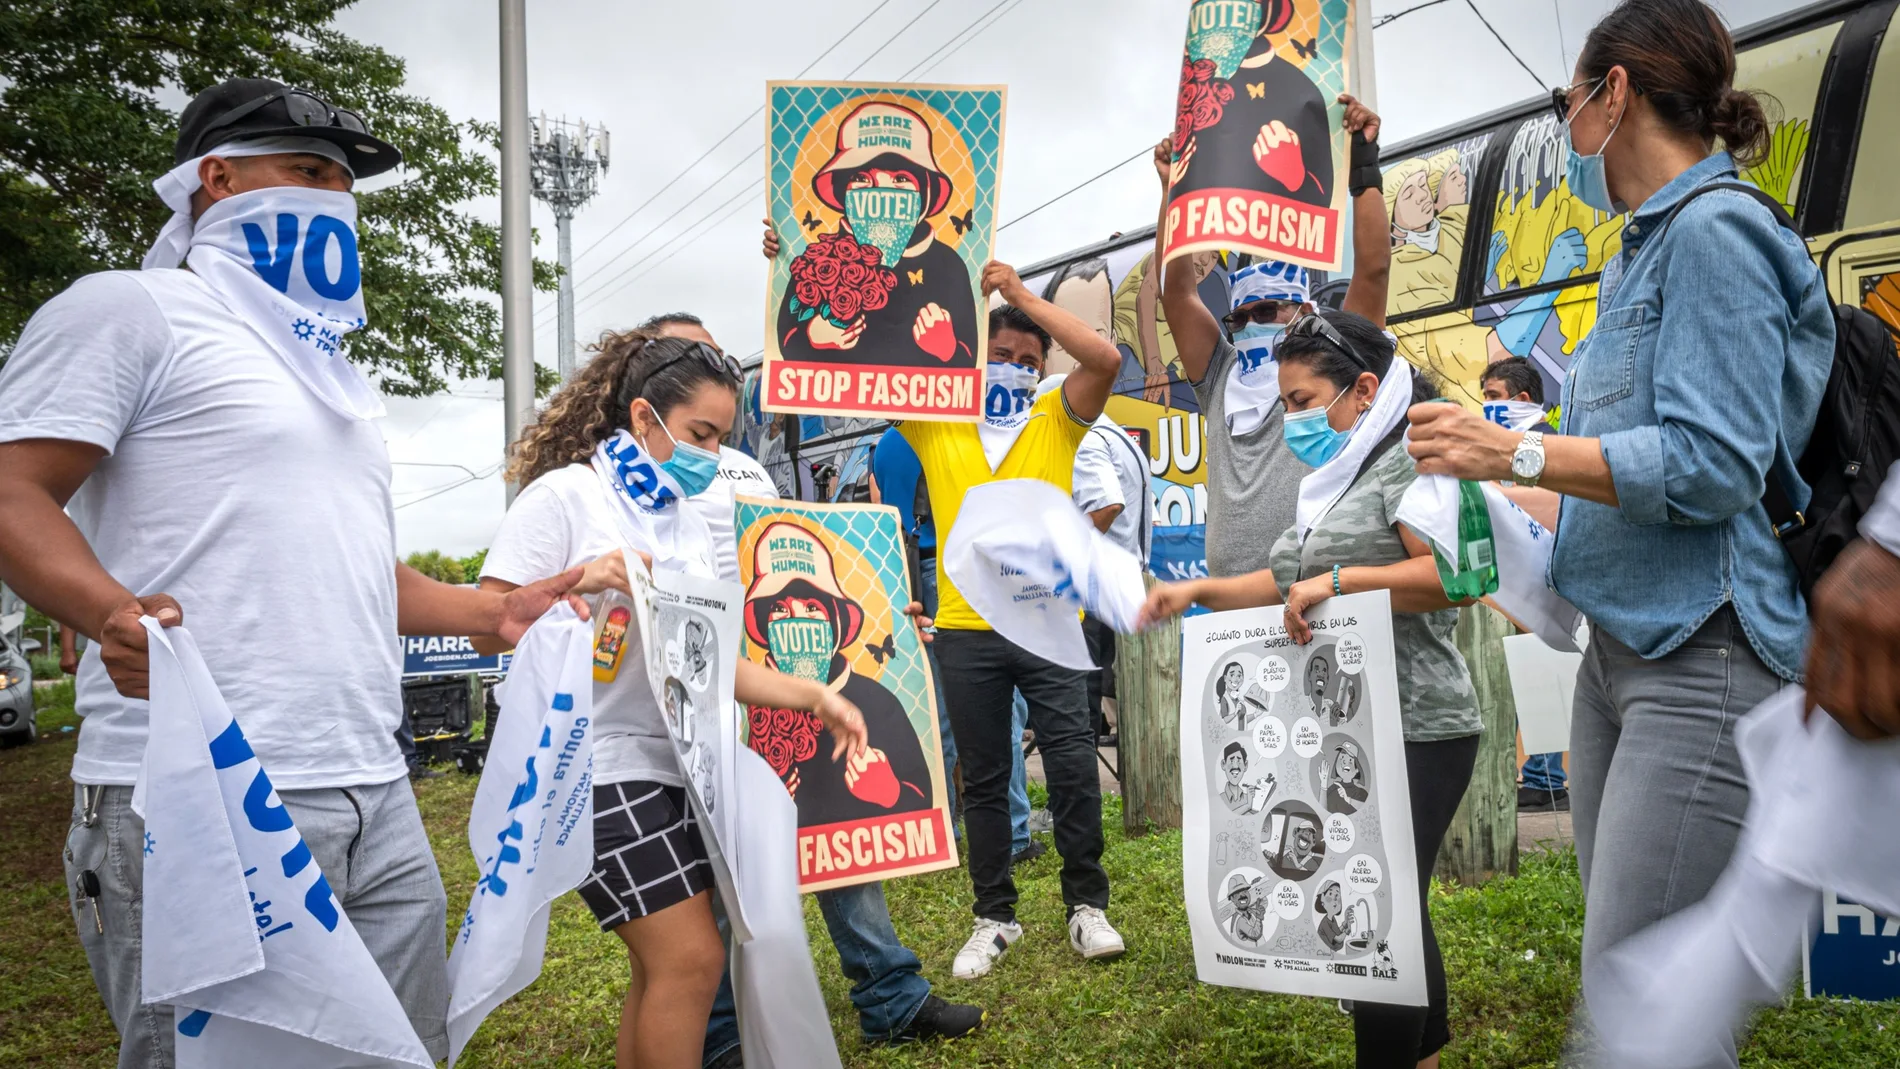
(432, 655)
(1178, 553)
(1855, 954)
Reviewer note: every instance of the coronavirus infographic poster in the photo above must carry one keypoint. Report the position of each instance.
(1297, 825)
(1260, 157)
(884, 200)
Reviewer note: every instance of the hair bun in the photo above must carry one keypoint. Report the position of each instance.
(1738, 119)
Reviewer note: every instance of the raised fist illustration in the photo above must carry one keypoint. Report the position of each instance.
(1277, 151)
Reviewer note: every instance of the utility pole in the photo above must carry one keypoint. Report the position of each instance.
(517, 264)
(568, 162)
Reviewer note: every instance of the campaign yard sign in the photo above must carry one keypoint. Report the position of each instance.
(444, 655)
(1854, 954)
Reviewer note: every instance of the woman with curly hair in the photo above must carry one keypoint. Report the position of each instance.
(605, 471)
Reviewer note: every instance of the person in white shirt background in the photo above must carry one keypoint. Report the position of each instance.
(222, 469)
(893, 999)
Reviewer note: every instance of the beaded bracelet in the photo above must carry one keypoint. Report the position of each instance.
(1336, 589)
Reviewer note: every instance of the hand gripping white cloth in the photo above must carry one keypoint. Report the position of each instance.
(1522, 546)
(241, 934)
(1820, 815)
(1026, 559)
(532, 825)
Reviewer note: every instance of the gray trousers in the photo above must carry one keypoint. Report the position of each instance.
(1656, 784)
(369, 843)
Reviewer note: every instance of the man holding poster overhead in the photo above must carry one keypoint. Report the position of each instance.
(1259, 157)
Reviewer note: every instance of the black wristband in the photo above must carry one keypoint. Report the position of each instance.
(1365, 165)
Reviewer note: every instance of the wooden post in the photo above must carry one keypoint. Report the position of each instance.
(1148, 700)
(1482, 840)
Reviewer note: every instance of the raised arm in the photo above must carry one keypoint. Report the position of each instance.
(1195, 329)
(1097, 361)
(1371, 231)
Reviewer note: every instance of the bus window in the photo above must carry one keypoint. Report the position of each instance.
(1874, 196)
(1789, 71)
(1428, 205)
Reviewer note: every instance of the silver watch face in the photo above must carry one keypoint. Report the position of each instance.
(1527, 463)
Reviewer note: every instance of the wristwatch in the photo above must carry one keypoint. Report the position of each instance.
(1527, 463)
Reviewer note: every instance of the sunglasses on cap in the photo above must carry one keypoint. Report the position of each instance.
(1315, 326)
(719, 362)
(306, 109)
(1560, 96)
(1262, 312)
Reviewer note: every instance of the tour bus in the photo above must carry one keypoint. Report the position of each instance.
(1492, 257)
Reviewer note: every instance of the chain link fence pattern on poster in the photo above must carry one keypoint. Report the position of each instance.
(966, 135)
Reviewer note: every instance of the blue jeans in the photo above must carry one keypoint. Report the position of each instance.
(1544, 772)
(1018, 777)
(887, 985)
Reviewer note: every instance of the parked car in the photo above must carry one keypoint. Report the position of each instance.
(17, 726)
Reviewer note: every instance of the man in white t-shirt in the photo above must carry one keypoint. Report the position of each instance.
(219, 462)
(893, 999)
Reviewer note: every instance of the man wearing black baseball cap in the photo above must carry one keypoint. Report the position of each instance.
(194, 441)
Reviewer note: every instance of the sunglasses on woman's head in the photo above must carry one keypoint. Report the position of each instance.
(1262, 312)
(712, 357)
(1314, 325)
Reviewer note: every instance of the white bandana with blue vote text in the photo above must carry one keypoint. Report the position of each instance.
(1253, 385)
(531, 828)
(242, 935)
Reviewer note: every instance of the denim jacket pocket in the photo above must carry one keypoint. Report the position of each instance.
(1607, 371)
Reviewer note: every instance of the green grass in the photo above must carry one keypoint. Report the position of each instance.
(1047, 1007)
(53, 707)
(44, 665)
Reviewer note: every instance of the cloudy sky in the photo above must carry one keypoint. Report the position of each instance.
(1090, 83)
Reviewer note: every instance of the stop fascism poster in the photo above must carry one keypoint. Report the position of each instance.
(825, 591)
(884, 200)
(1260, 157)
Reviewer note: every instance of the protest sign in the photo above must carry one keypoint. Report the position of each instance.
(531, 827)
(1855, 954)
(1543, 685)
(1296, 818)
(1260, 157)
(826, 587)
(242, 934)
(884, 199)
(691, 633)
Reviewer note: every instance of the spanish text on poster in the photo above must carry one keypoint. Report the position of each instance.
(1297, 825)
(884, 199)
(1260, 157)
(825, 591)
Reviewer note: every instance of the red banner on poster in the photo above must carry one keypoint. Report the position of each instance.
(856, 851)
(1278, 227)
(850, 389)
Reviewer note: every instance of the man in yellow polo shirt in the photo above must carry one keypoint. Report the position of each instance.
(1019, 438)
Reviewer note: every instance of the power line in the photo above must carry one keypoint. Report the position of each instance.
(880, 48)
(602, 289)
(905, 77)
(1086, 182)
(945, 58)
(728, 136)
(1376, 23)
(1563, 50)
(1506, 44)
(439, 491)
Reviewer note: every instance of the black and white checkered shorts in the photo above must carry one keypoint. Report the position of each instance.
(647, 852)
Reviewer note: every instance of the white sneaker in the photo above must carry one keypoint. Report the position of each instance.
(1092, 936)
(989, 941)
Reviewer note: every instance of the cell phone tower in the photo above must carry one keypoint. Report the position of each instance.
(566, 161)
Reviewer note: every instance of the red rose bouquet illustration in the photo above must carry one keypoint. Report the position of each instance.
(841, 279)
(784, 737)
(1202, 100)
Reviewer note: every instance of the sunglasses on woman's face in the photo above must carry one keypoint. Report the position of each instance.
(1560, 96)
(1262, 312)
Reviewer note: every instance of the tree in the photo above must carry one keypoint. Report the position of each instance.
(437, 565)
(83, 133)
(472, 565)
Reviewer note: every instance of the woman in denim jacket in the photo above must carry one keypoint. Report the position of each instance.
(1699, 383)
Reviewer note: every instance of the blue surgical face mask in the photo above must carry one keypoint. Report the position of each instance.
(1589, 182)
(693, 468)
(1311, 438)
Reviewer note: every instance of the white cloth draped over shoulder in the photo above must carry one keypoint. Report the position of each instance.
(1820, 815)
(1326, 484)
(1027, 559)
(241, 933)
